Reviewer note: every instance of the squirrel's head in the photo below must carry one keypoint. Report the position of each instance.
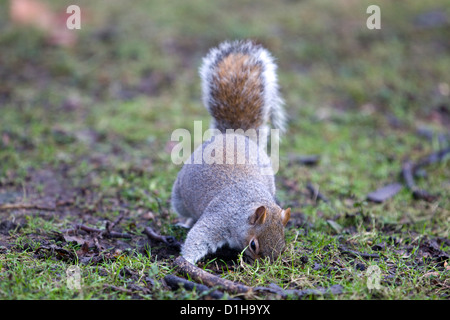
(266, 233)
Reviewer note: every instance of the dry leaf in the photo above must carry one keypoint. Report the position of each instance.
(75, 239)
(336, 226)
(432, 273)
(148, 215)
(384, 193)
(31, 12)
(39, 15)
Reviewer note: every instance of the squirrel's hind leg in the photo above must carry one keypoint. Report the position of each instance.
(186, 222)
(178, 206)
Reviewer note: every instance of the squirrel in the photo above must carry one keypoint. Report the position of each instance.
(234, 203)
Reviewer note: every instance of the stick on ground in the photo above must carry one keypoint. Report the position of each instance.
(174, 283)
(315, 194)
(209, 279)
(12, 206)
(34, 206)
(356, 254)
(170, 241)
(410, 169)
(103, 233)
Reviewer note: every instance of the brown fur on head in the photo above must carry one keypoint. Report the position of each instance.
(266, 236)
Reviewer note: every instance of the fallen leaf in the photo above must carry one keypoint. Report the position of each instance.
(39, 15)
(75, 239)
(336, 226)
(384, 193)
(431, 274)
(31, 12)
(307, 160)
(84, 249)
(148, 215)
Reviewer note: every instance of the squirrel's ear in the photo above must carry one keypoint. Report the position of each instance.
(285, 216)
(259, 216)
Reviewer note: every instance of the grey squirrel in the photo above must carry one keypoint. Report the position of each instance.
(233, 203)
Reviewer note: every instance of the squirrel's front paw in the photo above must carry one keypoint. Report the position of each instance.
(193, 253)
(190, 258)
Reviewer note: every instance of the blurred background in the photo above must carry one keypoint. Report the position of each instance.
(122, 83)
(86, 118)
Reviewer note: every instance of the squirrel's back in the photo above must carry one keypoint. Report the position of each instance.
(237, 161)
(240, 88)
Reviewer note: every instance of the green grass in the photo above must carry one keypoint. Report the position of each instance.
(92, 124)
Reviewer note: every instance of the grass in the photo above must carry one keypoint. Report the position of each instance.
(90, 126)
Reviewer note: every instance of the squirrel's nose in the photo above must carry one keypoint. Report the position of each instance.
(249, 258)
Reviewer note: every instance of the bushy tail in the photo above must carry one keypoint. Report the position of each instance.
(240, 88)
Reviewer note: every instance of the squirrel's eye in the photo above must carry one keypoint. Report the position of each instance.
(253, 245)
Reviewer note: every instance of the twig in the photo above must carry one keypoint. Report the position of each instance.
(174, 283)
(200, 275)
(408, 175)
(409, 170)
(110, 226)
(60, 252)
(431, 158)
(111, 287)
(307, 160)
(210, 280)
(357, 254)
(315, 194)
(130, 289)
(86, 228)
(168, 240)
(62, 203)
(382, 194)
(111, 234)
(12, 206)
(97, 245)
(333, 290)
(30, 206)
